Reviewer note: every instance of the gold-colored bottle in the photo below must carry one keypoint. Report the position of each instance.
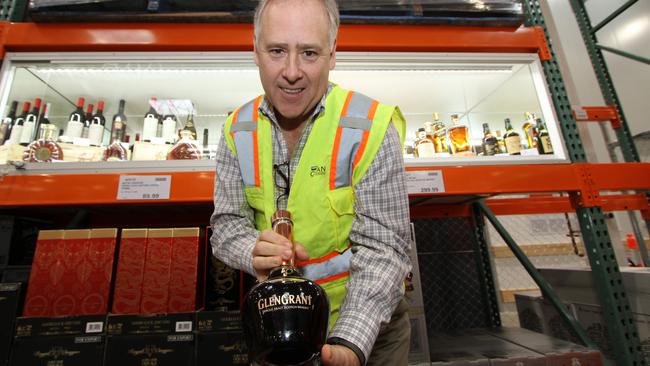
(439, 135)
(530, 130)
(544, 145)
(501, 145)
(459, 137)
(512, 139)
(424, 145)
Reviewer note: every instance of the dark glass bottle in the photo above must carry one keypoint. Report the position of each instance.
(7, 122)
(29, 126)
(286, 316)
(97, 123)
(116, 150)
(17, 127)
(44, 119)
(76, 121)
(490, 143)
(544, 145)
(512, 139)
(88, 118)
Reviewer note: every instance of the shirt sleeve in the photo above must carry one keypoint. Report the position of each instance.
(380, 239)
(233, 228)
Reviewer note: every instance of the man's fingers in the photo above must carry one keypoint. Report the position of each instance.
(301, 253)
(275, 238)
(266, 249)
(264, 264)
(334, 355)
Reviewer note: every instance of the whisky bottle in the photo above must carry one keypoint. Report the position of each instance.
(459, 137)
(285, 317)
(151, 121)
(7, 122)
(206, 147)
(440, 139)
(500, 143)
(490, 144)
(512, 139)
(185, 149)
(544, 145)
(424, 145)
(530, 130)
(44, 149)
(189, 125)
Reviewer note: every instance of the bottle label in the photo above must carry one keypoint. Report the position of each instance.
(150, 128)
(490, 148)
(546, 144)
(513, 145)
(285, 301)
(425, 150)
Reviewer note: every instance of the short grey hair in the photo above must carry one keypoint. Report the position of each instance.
(331, 7)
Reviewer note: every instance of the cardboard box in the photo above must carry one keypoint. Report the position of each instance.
(46, 274)
(161, 340)
(157, 272)
(184, 270)
(149, 151)
(72, 341)
(130, 272)
(66, 296)
(80, 153)
(11, 152)
(9, 305)
(225, 287)
(220, 339)
(99, 265)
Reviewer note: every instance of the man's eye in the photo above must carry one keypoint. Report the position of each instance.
(310, 54)
(276, 52)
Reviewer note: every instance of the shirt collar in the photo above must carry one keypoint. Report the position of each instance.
(267, 109)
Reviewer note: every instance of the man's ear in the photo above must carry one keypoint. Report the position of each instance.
(333, 56)
(255, 57)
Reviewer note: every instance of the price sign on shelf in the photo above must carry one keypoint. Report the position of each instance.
(425, 181)
(144, 187)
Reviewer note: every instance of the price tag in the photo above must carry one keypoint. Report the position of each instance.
(425, 181)
(580, 114)
(144, 187)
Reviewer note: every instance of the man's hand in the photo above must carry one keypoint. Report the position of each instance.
(270, 250)
(335, 355)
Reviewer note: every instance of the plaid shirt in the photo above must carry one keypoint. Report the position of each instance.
(380, 233)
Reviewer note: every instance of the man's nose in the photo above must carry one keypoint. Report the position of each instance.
(292, 71)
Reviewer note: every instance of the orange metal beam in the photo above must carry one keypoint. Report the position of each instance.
(238, 37)
(598, 114)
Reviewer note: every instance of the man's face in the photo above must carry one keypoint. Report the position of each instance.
(294, 57)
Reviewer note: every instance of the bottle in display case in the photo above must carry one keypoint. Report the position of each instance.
(185, 149)
(189, 125)
(500, 143)
(544, 145)
(45, 149)
(490, 143)
(76, 120)
(530, 130)
(116, 150)
(439, 136)
(97, 125)
(151, 121)
(28, 133)
(43, 119)
(512, 139)
(88, 120)
(424, 145)
(459, 137)
(7, 122)
(286, 316)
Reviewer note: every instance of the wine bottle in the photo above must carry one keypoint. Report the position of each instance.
(76, 121)
(285, 317)
(206, 148)
(117, 151)
(28, 133)
(512, 139)
(17, 129)
(97, 125)
(151, 121)
(88, 120)
(7, 122)
(44, 119)
(490, 143)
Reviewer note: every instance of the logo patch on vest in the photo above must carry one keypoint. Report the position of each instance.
(317, 170)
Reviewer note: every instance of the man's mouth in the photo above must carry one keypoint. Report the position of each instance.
(292, 90)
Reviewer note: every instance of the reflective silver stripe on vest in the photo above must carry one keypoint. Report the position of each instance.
(329, 268)
(242, 130)
(353, 124)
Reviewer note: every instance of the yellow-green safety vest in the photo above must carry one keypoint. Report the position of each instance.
(342, 144)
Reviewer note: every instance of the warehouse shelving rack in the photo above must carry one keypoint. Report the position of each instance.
(20, 190)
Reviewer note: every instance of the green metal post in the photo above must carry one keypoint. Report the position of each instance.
(546, 288)
(486, 276)
(623, 335)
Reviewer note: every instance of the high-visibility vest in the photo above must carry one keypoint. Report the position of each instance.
(342, 144)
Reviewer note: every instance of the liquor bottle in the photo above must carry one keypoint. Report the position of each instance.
(76, 121)
(490, 144)
(440, 139)
(7, 122)
(530, 130)
(544, 145)
(285, 317)
(97, 125)
(169, 128)
(45, 149)
(189, 125)
(512, 139)
(151, 121)
(424, 145)
(185, 149)
(501, 144)
(117, 151)
(44, 119)
(28, 133)
(88, 120)
(17, 128)
(206, 148)
(459, 137)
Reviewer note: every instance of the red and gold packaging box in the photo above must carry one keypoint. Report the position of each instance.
(130, 272)
(184, 270)
(46, 273)
(68, 293)
(157, 271)
(98, 272)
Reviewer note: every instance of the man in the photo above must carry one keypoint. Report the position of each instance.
(333, 159)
